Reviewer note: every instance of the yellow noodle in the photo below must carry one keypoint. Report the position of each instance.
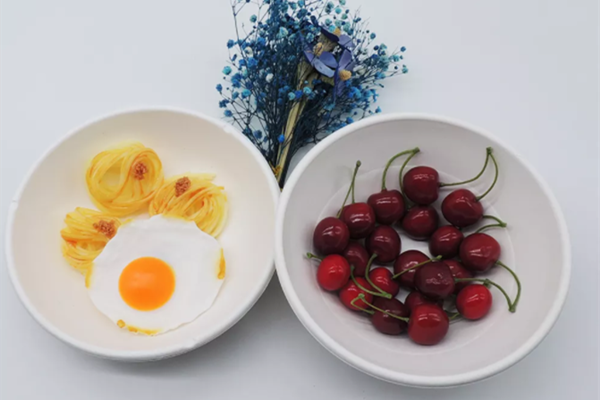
(202, 201)
(84, 237)
(138, 174)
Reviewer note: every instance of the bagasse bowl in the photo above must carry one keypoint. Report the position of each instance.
(54, 293)
(535, 244)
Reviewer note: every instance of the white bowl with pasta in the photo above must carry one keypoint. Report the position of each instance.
(186, 142)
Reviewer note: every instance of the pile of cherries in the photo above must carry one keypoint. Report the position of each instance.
(437, 284)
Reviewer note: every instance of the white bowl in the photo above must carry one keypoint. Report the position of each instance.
(54, 293)
(536, 245)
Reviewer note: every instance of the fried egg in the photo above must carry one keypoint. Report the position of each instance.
(156, 275)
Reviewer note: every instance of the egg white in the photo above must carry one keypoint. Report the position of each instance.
(193, 255)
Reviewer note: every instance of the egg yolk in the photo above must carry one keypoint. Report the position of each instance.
(147, 283)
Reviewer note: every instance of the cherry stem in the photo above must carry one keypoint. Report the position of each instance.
(362, 297)
(489, 282)
(415, 151)
(350, 189)
(353, 303)
(416, 266)
(391, 160)
(368, 278)
(514, 304)
(311, 256)
(488, 151)
(500, 224)
(453, 316)
(361, 287)
(491, 154)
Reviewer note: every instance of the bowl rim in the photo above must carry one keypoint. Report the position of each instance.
(371, 368)
(168, 351)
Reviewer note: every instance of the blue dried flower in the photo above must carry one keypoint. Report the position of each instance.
(230, 43)
(253, 18)
(291, 96)
(245, 94)
(228, 113)
(223, 103)
(373, 35)
(281, 138)
(219, 88)
(227, 70)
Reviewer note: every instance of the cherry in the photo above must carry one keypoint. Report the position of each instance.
(384, 322)
(333, 272)
(385, 242)
(389, 205)
(421, 185)
(474, 302)
(352, 290)
(420, 222)
(434, 280)
(360, 219)
(458, 271)
(512, 305)
(445, 241)
(479, 252)
(357, 256)
(415, 299)
(382, 278)
(331, 235)
(428, 324)
(461, 207)
(406, 261)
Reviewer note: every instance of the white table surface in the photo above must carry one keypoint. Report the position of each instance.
(526, 70)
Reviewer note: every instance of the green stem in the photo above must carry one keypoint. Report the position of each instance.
(452, 317)
(391, 160)
(490, 226)
(311, 256)
(402, 173)
(488, 151)
(361, 287)
(416, 266)
(489, 282)
(514, 304)
(350, 189)
(495, 176)
(353, 302)
(362, 297)
(368, 278)
(498, 220)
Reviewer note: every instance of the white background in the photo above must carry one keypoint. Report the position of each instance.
(524, 69)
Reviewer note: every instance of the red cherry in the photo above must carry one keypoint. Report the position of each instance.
(351, 292)
(458, 272)
(421, 185)
(384, 241)
(445, 241)
(385, 323)
(333, 272)
(428, 324)
(479, 252)
(405, 261)
(388, 206)
(415, 299)
(434, 280)
(357, 256)
(462, 208)
(360, 219)
(382, 278)
(474, 302)
(420, 222)
(331, 236)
